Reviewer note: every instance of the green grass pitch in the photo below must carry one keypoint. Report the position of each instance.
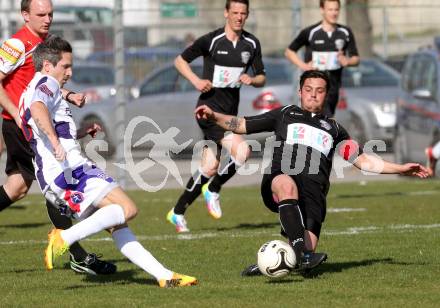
(383, 241)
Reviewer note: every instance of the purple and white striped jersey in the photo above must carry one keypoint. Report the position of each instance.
(46, 89)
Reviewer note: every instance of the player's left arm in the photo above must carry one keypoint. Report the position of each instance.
(41, 116)
(351, 57)
(77, 99)
(373, 163)
(257, 65)
(350, 151)
(257, 81)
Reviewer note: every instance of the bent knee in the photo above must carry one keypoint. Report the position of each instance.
(130, 212)
(287, 191)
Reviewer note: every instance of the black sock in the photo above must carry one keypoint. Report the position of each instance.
(223, 176)
(5, 201)
(63, 222)
(192, 191)
(292, 223)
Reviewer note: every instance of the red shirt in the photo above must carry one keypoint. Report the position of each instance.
(16, 63)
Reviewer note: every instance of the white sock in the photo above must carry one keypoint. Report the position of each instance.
(126, 242)
(104, 218)
(436, 150)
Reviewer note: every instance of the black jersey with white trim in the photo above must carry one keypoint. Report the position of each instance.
(314, 38)
(223, 63)
(305, 143)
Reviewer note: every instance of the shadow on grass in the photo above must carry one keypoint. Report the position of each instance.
(26, 226)
(16, 207)
(119, 278)
(338, 267)
(250, 226)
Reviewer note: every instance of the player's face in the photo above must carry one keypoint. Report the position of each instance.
(236, 16)
(330, 12)
(312, 94)
(63, 70)
(39, 17)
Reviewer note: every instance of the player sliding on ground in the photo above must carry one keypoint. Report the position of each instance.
(298, 182)
(62, 171)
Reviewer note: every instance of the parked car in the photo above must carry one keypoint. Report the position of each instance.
(138, 61)
(169, 99)
(418, 109)
(370, 90)
(95, 79)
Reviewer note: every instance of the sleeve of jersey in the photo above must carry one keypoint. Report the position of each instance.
(12, 55)
(351, 46)
(299, 41)
(263, 122)
(196, 49)
(45, 92)
(257, 63)
(346, 147)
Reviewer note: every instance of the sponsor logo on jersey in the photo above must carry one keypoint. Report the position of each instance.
(9, 53)
(325, 125)
(319, 42)
(245, 56)
(77, 197)
(222, 52)
(43, 88)
(300, 133)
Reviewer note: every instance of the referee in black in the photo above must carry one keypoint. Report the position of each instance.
(329, 46)
(231, 58)
(296, 184)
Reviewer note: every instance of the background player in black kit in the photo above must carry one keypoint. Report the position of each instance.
(298, 181)
(329, 46)
(228, 54)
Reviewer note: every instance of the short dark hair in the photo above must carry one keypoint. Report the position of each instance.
(50, 50)
(228, 3)
(25, 5)
(315, 74)
(322, 2)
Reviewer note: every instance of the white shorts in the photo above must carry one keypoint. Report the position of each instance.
(84, 186)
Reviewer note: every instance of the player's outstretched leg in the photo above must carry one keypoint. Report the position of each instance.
(177, 220)
(80, 261)
(128, 245)
(212, 200)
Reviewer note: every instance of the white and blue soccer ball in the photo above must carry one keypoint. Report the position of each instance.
(276, 259)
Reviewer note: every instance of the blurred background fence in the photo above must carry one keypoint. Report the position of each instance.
(167, 26)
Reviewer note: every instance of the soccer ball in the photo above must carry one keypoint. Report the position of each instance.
(276, 259)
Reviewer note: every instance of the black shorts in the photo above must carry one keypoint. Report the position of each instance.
(311, 199)
(211, 131)
(19, 153)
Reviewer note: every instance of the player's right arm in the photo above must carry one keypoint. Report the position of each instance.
(293, 57)
(230, 123)
(202, 85)
(247, 125)
(6, 103)
(291, 52)
(40, 115)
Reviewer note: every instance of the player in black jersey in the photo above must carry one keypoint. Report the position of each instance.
(298, 180)
(329, 46)
(228, 55)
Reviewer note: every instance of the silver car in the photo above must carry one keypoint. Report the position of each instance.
(418, 108)
(94, 79)
(370, 90)
(165, 99)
